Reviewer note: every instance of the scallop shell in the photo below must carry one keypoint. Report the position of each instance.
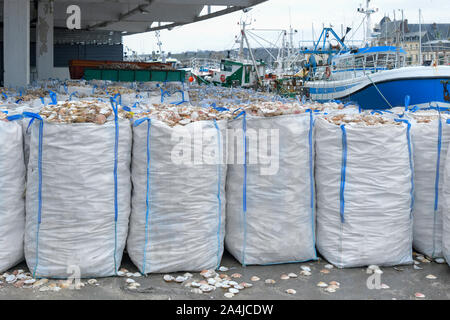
(439, 260)
(306, 268)
(11, 278)
(40, 283)
(196, 291)
(208, 273)
(291, 291)
(180, 279)
(246, 285)
(168, 278)
(207, 288)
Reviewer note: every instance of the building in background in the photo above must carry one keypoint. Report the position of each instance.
(435, 39)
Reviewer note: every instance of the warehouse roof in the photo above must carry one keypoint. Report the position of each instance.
(135, 16)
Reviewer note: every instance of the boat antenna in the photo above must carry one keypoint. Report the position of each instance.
(367, 12)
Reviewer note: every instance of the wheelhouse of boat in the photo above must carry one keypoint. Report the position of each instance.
(359, 62)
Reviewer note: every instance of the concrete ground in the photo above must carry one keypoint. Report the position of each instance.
(403, 283)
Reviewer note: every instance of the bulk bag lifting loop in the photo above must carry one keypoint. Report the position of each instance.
(411, 164)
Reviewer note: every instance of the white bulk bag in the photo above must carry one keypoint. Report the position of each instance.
(78, 199)
(364, 184)
(270, 200)
(12, 192)
(178, 205)
(430, 142)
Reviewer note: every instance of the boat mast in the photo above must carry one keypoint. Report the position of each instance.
(241, 50)
(367, 12)
(159, 43)
(244, 38)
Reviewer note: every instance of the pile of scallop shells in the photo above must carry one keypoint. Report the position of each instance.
(272, 109)
(33, 94)
(81, 112)
(182, 115)
(427, 116)
(360, 119)
(222, 96)
(113, 90)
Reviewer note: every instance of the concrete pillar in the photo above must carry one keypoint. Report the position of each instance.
(16, 43)
(44, 40)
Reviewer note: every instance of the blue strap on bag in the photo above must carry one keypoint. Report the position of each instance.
(115, 106)
(411, 165)
(147, 198)
(244, 188)
(219, 187)
(343, 173)
(35, 116)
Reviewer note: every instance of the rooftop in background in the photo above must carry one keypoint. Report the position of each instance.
(430, 31)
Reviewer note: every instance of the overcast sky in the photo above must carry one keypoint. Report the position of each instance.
(219, 33)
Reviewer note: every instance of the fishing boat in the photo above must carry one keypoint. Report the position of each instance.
(376, 77)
